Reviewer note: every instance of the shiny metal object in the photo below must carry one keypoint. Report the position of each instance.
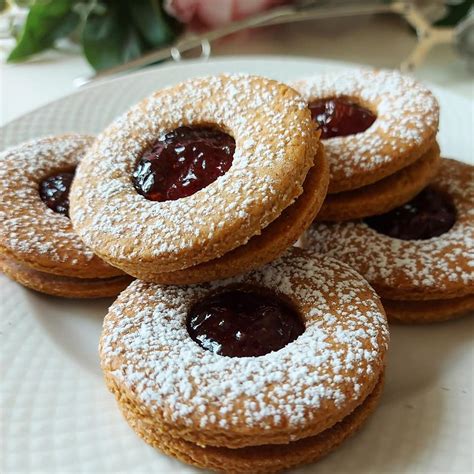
(205, 45)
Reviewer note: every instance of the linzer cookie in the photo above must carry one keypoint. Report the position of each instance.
(379, 132)
(38, 247)
(204, 180)
(420, 256)
(252, 374)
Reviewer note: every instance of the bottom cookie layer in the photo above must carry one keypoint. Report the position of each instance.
(67, 287)
(384, 195)
(257, 459)
(427, 311)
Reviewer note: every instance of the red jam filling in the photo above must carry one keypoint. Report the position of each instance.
(339, 117)
(54, 192)
(182, 162)
(240, 323)
(430, 214)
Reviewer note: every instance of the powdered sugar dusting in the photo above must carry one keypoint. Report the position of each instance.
(28, 228)
(146, 348)
(271, 128)
(439, 263)
(407, 115)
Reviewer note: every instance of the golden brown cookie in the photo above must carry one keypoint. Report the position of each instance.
(421, 251)
(257, 459)
(66, 287)
(278, 355)
(403, 123)
(37, 242)
(384, 195)
(428, 311)
(265, 123)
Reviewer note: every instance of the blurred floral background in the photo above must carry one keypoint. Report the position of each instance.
(110, 32)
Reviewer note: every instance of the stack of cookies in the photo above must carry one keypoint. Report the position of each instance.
(233, 350)
(395, 211)
(240, 370)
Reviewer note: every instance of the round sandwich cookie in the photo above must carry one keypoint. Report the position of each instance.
(373, 124)
(256, 373)
(203, 180)
(38, 246)
(420, 256)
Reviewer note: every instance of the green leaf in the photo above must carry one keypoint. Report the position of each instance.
(156, 27)
(47, 21)
(455, 14)
(110, 38)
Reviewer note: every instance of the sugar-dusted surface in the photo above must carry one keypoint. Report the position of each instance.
(407, 121)
(259, 459)
(275, 146)
(436, 268)
(29, 230)
(310, 383)
(58, 361)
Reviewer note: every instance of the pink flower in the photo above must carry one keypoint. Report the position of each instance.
(214, 13)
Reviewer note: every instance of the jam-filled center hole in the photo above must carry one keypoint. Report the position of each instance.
(243, 323)
(339, 117)
(429, 214)
(54, 191)
(182, 162)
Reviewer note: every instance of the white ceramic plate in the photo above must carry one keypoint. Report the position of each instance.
(57, 416)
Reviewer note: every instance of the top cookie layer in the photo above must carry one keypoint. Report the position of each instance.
(275, 146)
(299, 390)
(32, 233)
(436, 268)
(405, 127)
